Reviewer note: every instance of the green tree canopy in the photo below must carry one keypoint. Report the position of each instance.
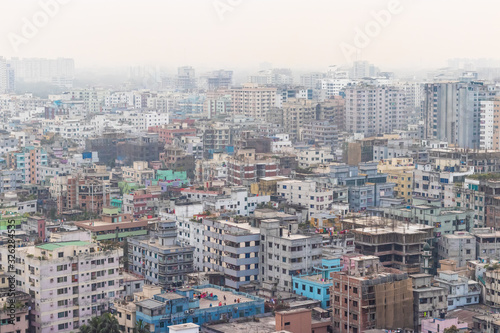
(106, 323)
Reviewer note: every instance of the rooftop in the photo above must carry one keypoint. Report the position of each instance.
(230, 297)
(53, 246)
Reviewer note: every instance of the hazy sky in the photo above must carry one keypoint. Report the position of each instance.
(233, 33)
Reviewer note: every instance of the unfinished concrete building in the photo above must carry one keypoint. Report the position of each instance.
(398, 245)
(369, 296)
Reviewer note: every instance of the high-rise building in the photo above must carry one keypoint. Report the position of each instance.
(375, 110)
(216, 80)
(285, 253)
(3, 75)
(158, 259)
(452, 111)
(252, 100)
(232, 249)
(186, 78)
(56, 71)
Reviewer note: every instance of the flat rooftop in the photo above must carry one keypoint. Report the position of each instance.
(230, 297)
(54, 246)
(317, 278)
(265, 324)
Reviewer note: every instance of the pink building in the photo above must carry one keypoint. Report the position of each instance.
(436, 325)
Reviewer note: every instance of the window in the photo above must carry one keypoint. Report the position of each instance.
(60, 254)
(129, 317)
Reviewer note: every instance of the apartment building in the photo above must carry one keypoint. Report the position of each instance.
(373, 110)
(232, 249)
(452, 111)
(438, 182)
(142, 202)
(246, 168)
(285, 253)
(459, 247)
(312, 157)
(296, 113)
(69, 282)
(237, 200)
(158, 259)
(252, 100)
(139, 172)
(428, 301)
(400, 172)
(311, 195)
(190, 232)
(461, 290)
(29, 162)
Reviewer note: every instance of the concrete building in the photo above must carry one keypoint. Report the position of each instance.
(252, 100)
(428, 301)
(364, 297)
(19, 319)
(439, 325)
(400, 172)
(191, 232)
(238, 201)
(367, 188)
(114, 226)
(452, 111)
(233, 250)
(373, 110)
(139, 172)
(296, 113)
(158, 259)
(398, 245)
(438, 183)
(210, 304)
(311, 195)
(491, 278)
(300, 321)
(246, 167)
(461, 290)
(487, 242)
(285, 253)
(29, 162)
(316, 285)
(69, 282)
(459, 247)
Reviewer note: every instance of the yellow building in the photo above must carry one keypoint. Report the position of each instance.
(266, 185)
(399, 170)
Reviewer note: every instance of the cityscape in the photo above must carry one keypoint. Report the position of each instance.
(230, 166)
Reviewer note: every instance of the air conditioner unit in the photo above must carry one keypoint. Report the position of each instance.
(186, 312)
(191, 311)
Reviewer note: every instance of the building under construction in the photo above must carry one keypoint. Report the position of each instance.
(398, 245)
(369, 296)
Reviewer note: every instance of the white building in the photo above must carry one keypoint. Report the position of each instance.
(314, 156)
(238, 201)
(486, 124)
(461, 290)
(317, 198)
(70, 282)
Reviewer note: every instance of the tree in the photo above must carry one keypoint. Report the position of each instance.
(452, 329)
(106, 323)
(140, 327)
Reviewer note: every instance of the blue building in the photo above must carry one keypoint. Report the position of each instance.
(317, 285)
(186, 306)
